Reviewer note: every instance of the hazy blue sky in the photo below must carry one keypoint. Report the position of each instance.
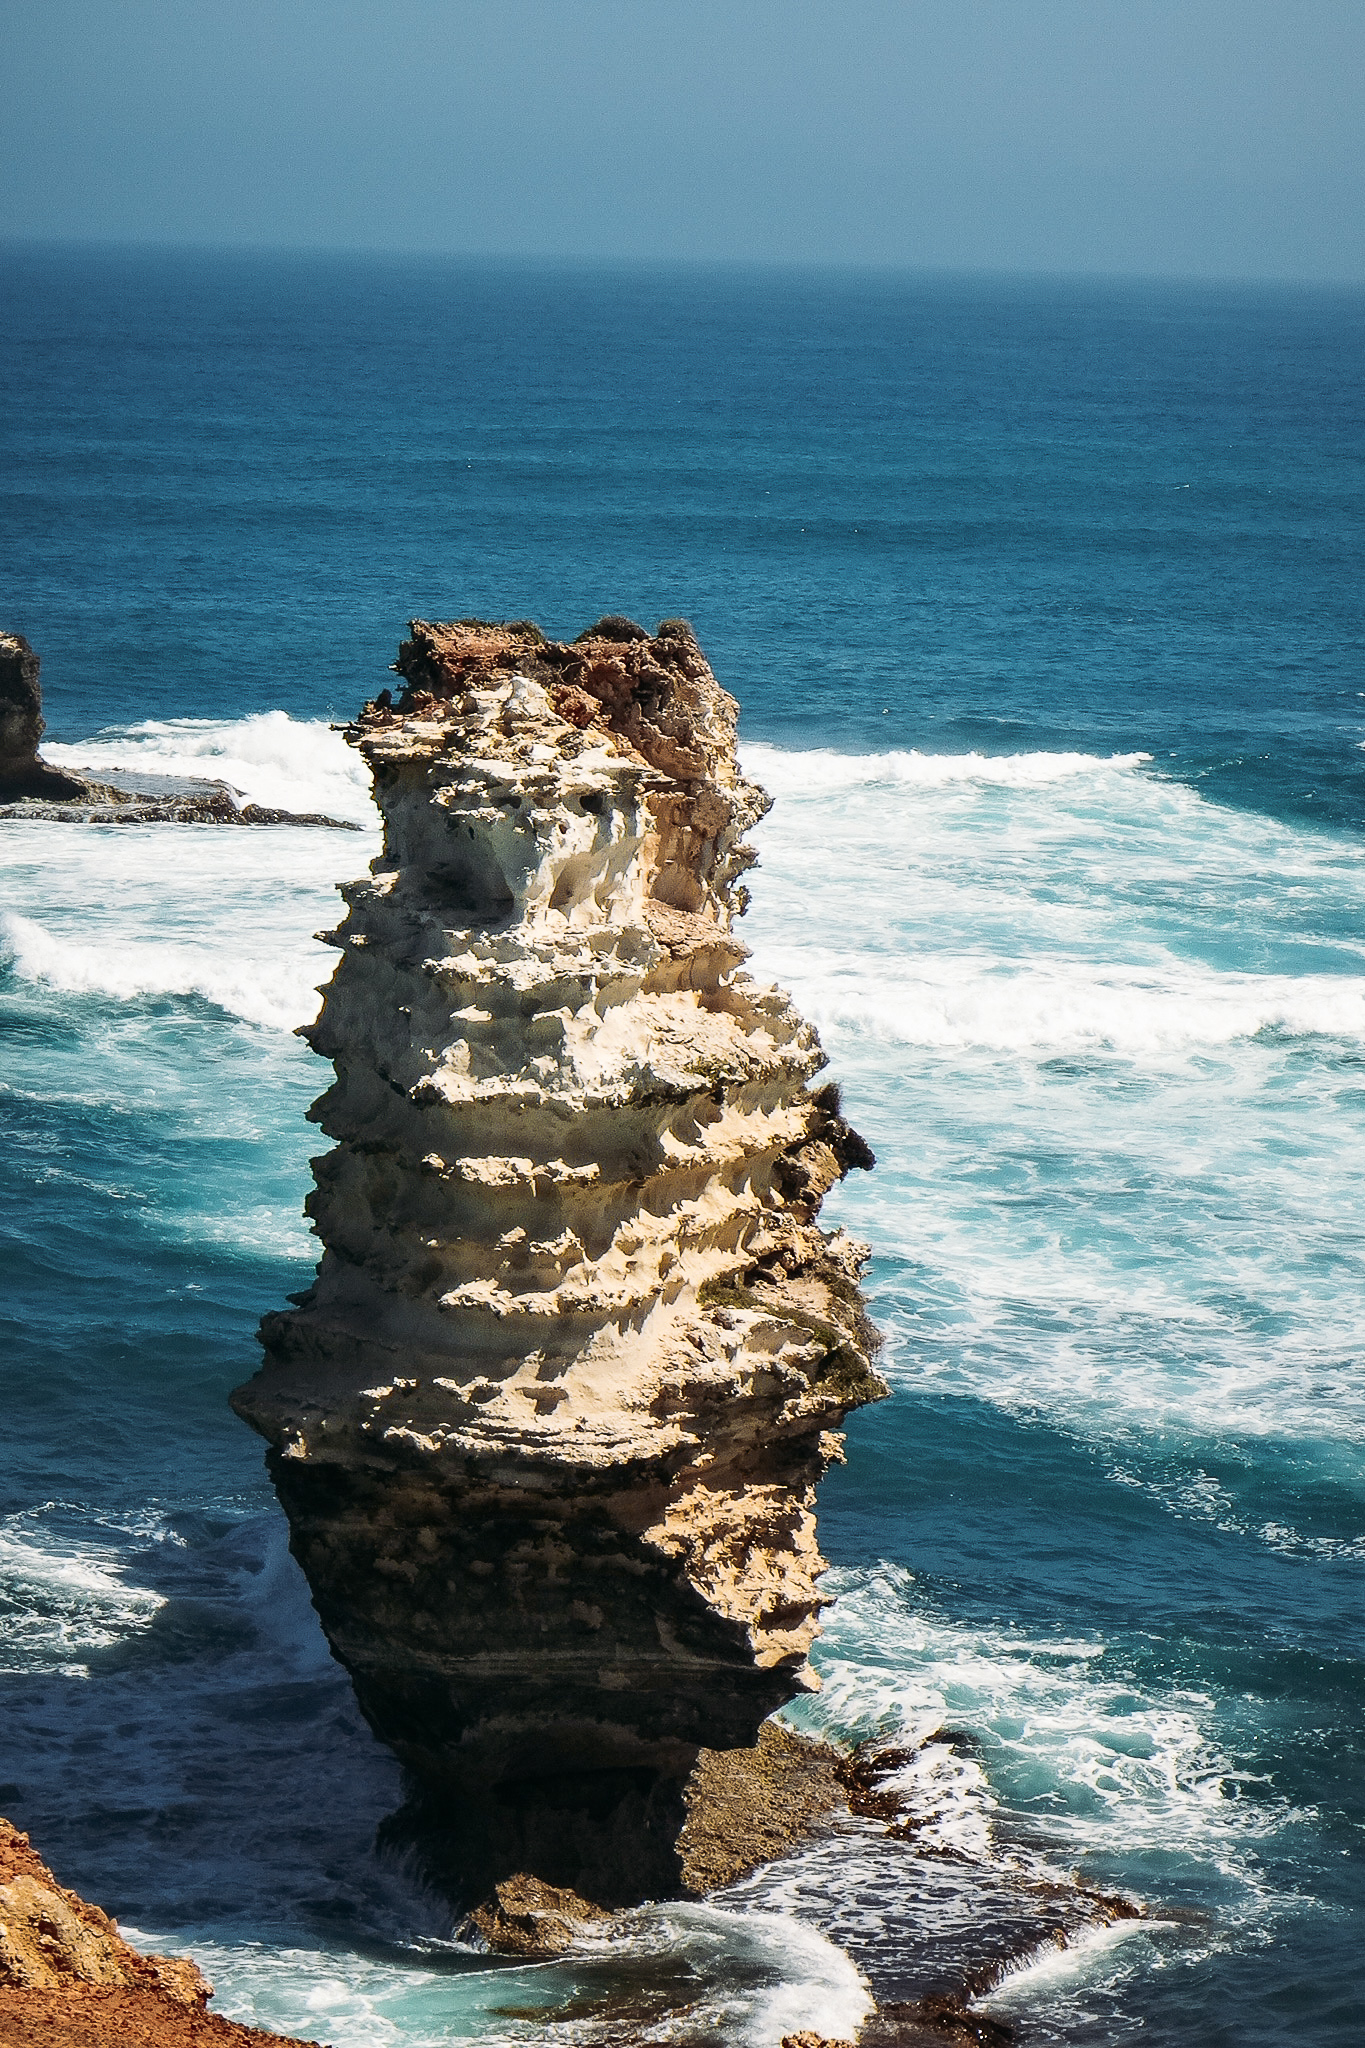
(1206, 137)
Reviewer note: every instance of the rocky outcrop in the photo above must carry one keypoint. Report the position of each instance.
(548, 1425)
(936, 2022)
(22, 773)
(32, 790)
(50, 1937)
(182, 802)
(69, 1980)
(747, 1807)
(526, 1917)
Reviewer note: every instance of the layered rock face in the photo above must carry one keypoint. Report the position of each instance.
(549, 1424)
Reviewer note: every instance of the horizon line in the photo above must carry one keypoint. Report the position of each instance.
(621, 260)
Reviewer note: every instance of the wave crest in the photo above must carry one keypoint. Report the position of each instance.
(269, 758)
(785, 772)
(126, 971)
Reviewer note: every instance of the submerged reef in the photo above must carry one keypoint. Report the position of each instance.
(548, 1425)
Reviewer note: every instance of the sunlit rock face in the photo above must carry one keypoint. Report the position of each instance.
(549, 1424)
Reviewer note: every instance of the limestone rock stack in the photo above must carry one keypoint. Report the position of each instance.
(548, 1425)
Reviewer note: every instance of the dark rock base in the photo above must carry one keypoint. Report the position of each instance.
(83, 806)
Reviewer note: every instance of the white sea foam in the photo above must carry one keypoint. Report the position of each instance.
(753, 1978)
(1128, 1355)
(1089, 1958)
(1084, 1758)
(1046, 903)
(274, 1592)
(64, 1598)
(226, 915)
(1104, 1037)
(962, 1002)
(818, 770)
(258, 992)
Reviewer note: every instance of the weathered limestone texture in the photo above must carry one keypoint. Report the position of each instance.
(549, 1424)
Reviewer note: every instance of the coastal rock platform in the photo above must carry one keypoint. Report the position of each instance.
(825, 1835)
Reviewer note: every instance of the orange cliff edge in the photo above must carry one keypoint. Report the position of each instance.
(69, 1980)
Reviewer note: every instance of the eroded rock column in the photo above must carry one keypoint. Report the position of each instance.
(549, 1424)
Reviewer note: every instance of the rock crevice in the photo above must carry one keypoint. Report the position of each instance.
(549, 1423)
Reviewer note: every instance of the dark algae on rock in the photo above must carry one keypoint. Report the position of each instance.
(549, 1424)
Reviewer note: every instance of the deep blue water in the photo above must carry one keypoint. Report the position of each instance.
(1046, 514)
(954, 544)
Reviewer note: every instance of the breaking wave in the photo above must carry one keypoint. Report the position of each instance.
(290, 764)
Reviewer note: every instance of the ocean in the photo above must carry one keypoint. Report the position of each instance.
(1042, 600)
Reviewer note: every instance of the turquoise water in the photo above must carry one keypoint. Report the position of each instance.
(1043, 606)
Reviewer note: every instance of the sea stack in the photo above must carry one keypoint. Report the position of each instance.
(23, 773)
(548, 1425)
